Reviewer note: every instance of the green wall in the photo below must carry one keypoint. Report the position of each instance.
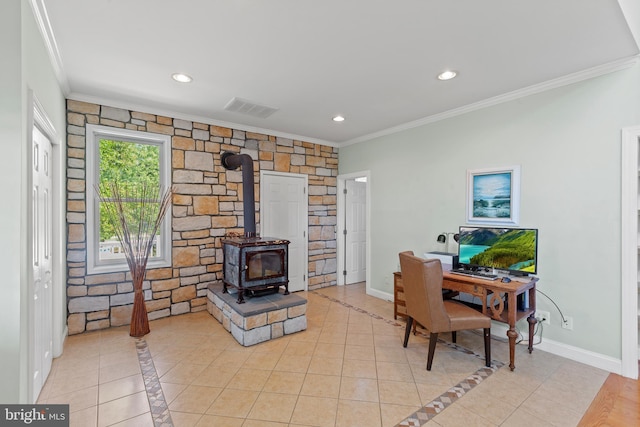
(25, 66)
(11, 134)
(567, 142)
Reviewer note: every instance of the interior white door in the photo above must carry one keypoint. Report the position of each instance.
(284, 215)
(41, 321)
(356, 231)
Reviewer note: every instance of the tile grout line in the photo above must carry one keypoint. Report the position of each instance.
(433, 408)
(157, 402)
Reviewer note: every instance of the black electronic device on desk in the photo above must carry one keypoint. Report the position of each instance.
(475, 273)
(512, 251)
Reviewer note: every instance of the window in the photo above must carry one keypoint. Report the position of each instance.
(132, 159)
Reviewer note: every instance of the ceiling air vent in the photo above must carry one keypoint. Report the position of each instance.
(239, 105)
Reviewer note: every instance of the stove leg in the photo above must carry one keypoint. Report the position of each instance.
(286, 289)
(240, 295)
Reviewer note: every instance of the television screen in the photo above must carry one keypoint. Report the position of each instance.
(510, 249)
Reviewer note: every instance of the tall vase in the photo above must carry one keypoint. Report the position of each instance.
(136, 219)
(139, 319)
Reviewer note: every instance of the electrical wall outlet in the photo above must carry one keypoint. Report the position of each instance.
(543, 315)
(568, 323)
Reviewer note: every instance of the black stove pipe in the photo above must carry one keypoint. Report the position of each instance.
(233, 161)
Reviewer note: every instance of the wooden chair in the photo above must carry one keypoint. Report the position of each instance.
(424, 302)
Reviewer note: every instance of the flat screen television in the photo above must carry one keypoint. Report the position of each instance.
(512, 250)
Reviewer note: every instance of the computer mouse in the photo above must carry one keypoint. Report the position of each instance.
(506, 280)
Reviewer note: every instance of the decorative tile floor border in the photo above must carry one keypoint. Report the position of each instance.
(439, 404)
(162, 417)
(157, 403)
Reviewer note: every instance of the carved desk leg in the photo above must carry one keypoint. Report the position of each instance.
(496, 305)
(512, 334)
(532, 322)
(532, 317)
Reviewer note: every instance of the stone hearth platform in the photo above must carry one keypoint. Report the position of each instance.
(260, 318)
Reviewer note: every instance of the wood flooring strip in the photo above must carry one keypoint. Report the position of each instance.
(616, 404)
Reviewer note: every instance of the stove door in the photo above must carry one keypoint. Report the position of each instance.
(265, 264)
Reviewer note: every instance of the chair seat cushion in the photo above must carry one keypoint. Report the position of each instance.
(464, 317)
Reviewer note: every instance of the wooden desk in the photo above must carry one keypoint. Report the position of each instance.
(496, 309)
(399, 307)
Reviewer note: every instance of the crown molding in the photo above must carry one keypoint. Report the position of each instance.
(509, 96)
(44, 25)
(194, 118)
(42, 21)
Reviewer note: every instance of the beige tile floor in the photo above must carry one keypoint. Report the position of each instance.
(347, 369)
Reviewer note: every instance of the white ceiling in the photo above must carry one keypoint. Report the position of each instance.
(373, 61)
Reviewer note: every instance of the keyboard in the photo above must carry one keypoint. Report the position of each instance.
(476, 274)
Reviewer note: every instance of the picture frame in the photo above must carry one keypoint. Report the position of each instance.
(493, 195)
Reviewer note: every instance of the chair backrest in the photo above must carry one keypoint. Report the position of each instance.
(422, 281)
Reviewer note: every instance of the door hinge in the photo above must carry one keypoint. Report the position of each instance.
(344, 272)
(304, 190)
(304, 233)
(344, 191)
(304, 277)
(344, 231)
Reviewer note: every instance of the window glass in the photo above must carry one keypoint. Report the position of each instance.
(132, 165)
(136, 161)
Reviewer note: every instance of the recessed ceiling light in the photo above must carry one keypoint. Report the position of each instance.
(447, 75)
(182, 78)
(338, 119)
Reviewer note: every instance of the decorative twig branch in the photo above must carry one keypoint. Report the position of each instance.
(136, 215)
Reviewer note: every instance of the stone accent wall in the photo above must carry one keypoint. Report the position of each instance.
(207, 205)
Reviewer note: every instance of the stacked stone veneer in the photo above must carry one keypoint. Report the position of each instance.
(207, 205)
(280, 315)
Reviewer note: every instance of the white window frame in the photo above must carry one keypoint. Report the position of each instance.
(93, 135)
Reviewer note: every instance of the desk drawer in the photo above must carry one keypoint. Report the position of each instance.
(467, 288)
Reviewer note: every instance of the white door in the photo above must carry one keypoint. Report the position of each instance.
(41, 320)
(355, 232)
(283, 214)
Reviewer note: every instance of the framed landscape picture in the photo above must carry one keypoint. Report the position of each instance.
(493, 195)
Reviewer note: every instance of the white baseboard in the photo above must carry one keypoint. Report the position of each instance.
(578, 354)
(379, 294)
(499, 330)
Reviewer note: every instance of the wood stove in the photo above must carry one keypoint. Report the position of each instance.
(252, 264)
(255, 265)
